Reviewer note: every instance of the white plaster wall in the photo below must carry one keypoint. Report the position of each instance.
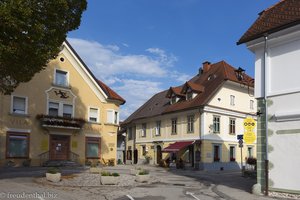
(285, 148)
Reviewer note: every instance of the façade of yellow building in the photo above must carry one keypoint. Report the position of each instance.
(196, 123)
(63, 114)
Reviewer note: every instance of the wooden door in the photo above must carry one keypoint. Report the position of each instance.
(59, 147)
(159, 154)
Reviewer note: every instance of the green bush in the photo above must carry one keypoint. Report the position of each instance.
(143, 172)
(53, 170)
(115, 174)
(105, 173)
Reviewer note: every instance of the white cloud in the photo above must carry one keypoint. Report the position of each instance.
(135, 77)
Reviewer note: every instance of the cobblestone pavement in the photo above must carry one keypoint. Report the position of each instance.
(166, 184)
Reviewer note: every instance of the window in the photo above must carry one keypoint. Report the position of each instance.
(216, 124)
(144, 127)
(189, 95)
(17, 145)
(112, 117)
(190, 124)
(157, 128)
(116, 119)
(59, 109)
(231, 126)
(53, 109)
(61, 78)
(232, 99)
(251, 104)
(217, 153)
(92, 145)
(232, 153)
(94, 115)
(67, 110)
(144, 150)
(130, 133)
(174, 126)
(250, 153)
(19, 105)
(173, 99)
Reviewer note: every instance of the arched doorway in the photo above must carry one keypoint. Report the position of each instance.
(158, 154)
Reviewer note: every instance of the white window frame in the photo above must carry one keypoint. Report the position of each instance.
(113, 116)
(219, 122)
(234, 124)
(60, 107)
(144, 130)
(232, 100)
(158, 128)
(68, 77)
(12, 105)
(174, 126)
(251, 104)
(190, 124)
(98, 114)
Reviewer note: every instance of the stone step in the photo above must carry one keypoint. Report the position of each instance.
(60, 163)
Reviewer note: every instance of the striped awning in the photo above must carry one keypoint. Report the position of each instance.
(175, 147)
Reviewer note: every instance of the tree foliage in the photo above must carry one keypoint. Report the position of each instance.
(31, 34)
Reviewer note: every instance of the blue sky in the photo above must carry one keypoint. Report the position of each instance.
(141, 47)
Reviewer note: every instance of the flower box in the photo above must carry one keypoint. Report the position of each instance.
(232, 159)
(53, 177)
(142, 178)
(109, 180)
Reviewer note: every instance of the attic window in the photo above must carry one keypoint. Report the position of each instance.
(189, 95)
(173, 99)
(211, 77)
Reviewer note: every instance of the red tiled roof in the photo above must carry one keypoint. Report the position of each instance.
(110, 93)
(195, 87)
(209, 82)
(284, 14)
(176, 91)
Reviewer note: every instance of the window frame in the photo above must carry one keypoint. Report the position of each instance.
(232, 100)
(12, 105)
(174, 126)
(233, 158)
(93, 140)
(232, 126)
(144, 130)
(251, 104)
(67, 78)
(158, 128)
(130, 132)
(190, 124)
(115, 118)
(60, 107)
(217, 159)
(7, 145)
(216, 122)
(98, 114)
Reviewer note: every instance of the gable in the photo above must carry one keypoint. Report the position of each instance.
(84, 72)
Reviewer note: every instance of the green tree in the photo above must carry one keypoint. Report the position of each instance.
(31, 34)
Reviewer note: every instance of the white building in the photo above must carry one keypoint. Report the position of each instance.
(274, 38)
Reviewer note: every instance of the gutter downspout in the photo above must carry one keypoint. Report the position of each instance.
(266, 117)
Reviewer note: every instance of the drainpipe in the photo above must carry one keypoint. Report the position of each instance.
(266, 113)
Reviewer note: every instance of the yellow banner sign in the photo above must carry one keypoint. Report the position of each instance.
(249, 124)
(249, 137)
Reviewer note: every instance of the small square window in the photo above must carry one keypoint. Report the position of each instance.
(19, 105)
(61, 78)
(67, 110)
(231, 126)
(94, 115)
(232, 100)
(53, 109)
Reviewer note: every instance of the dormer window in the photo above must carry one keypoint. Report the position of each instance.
(173, 99)
(189, 95)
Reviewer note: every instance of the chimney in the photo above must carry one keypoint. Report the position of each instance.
(200, 71)
(206, 66)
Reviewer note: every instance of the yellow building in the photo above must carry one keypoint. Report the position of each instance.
(63, 114)
(196, 123)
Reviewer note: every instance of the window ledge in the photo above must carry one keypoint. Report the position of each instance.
(97, 123)
(61, 86)
(19, 115)
(110, 124)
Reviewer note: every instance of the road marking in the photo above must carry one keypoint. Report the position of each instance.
(130, 197)
(192, 194)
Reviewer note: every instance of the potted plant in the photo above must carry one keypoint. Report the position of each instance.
(53, 174)
(142, 176)
(108, 178)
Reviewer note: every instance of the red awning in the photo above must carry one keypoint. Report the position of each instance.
(177, 146)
